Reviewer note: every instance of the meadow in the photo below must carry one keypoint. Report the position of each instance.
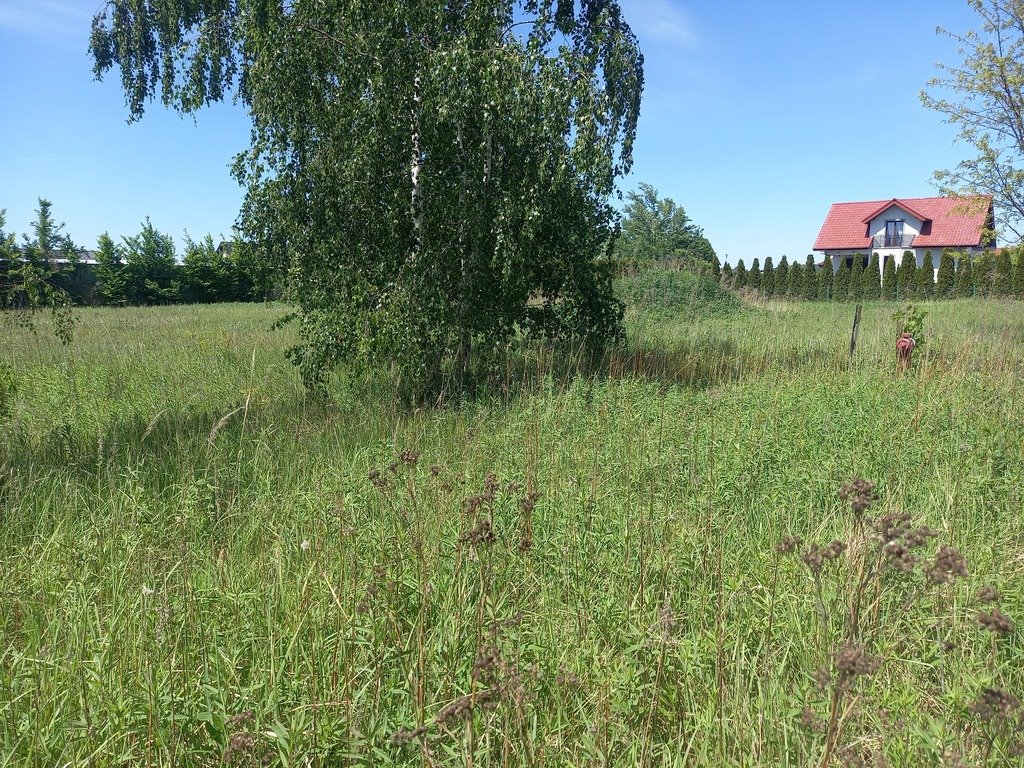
(201, 567)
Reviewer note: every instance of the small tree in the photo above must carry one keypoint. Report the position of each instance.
(826, 281)
(889, 279)
(727, 276)
(796, 280)
(984, 272)
(741, 278)
(151, 272)
(810, 279)
(754, 278)
(782, 279)
(905, 276)
(841, 289)
(872, 279)
(768, 278)
(944, 288)
(857, 278)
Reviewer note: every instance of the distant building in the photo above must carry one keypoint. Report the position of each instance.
(915, 224)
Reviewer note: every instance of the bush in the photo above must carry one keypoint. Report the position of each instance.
(676, 292)
(889, 279)
(872, 280)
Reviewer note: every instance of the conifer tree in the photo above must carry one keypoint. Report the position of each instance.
(841, 287)
(754, 277)
(947, 275)
(782, 278)
(740, 279)
(1002, 279)
(727, 276)
(963, 284)
(1018, 275)
(905, 276)
(983, 269)
(826, 281)
(889, 279)
(926, 277)
(857, 278)
(768, 278)
(873, 280)
(810, 279)
(796, 280)
(716, 268)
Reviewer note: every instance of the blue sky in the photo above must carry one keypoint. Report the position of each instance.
(756, 117)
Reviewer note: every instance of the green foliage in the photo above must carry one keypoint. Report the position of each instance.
(677, 293)
(890, 279)
(781, 289)
(906, 276)
(150, 273)
(841, 288)
(29, 278)
(754, 276)
(872, 280)
(1002, 278)
(810, 279)
(436, 176)
(1018, 274)
(856, 289)
(910, 319)
(795, 285)
(944, 287)
(741, 278)
(964, 283)
(926, 277)
(826, 281)
(983, 98)
(984, 274)
(728, 276)
(657, 229)
(768, 278)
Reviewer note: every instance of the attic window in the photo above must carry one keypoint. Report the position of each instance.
(894, 233)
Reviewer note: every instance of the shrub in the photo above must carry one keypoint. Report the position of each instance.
(826, 281)
(905, 276)
(926, 277)
(857, 278)
(741, 279)
(947, 273)
(796, 280)
(1002, 278)
(677, 293)
(810, 279)
(754, 276)
(889, 279)
(841, 287)
(872, 279)
(963, 284)
(1018, 275)
(768, 278)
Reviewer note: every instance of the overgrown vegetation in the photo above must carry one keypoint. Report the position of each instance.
(201, 567)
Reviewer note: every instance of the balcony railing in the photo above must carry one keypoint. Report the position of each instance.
(892, 241)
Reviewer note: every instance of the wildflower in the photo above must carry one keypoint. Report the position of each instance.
(860, 493)
(146, 591)
(949, 564)
(854, 661)
(788, 545)
(993, 704)
(304, 546)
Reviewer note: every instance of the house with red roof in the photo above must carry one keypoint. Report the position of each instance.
(916, 225)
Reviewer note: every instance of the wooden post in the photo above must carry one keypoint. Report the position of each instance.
(855, 331)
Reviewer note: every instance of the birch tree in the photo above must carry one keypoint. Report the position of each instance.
(434, 174)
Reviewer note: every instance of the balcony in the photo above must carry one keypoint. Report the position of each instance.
(892, 241)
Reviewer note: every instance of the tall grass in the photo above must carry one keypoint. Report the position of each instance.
(202, 568)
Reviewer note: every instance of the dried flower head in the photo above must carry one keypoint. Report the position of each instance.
(409, 457)
(481, 535)
(815, 557)
(988, 595)
(996, 622)
(788, 545)
(854, 661)
(810, 721)
(403, 736)
(860, 493)
(948, 565)
(993, 704)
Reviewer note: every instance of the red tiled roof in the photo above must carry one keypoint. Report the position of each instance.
(949, 222)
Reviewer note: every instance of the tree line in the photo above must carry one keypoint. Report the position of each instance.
(48, 268)
(996, 274)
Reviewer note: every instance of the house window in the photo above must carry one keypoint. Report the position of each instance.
(894, 233)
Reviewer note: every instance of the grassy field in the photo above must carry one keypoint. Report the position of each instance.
(200, 568)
